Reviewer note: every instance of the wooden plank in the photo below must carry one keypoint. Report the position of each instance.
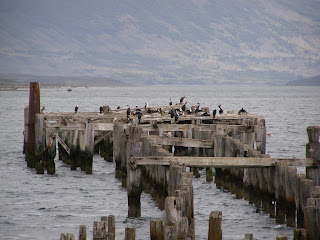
(100, 138)
(63, 144)
(218, 162)
(182, 142)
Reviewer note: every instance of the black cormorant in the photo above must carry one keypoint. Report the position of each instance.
(128, 111)
(171, 113)
(170, 103)
(184, 107)
(76, 109)
(101, 109)
(139, 115)
(118, 107)
(242, 111)
(176, 116)
(214, 112)
(181, 99)
(198, 108)
(221, 110)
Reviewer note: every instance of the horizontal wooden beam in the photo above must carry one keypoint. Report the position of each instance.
(182, 142)
(100, 138)
(217, 162)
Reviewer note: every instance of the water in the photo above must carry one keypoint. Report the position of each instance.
(42, 206)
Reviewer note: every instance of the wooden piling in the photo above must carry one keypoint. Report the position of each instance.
(130, 233)
(111, 227)
(281, 238)
(248, 236)
(215, 230)
(156, 230)
(83, 232)
(134, 189)
(299, 234)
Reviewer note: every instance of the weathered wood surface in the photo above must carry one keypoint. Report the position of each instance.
(218, 162)
(63, 144)
(181, 142)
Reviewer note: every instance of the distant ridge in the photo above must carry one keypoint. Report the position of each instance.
(19, 80)
(313, 81)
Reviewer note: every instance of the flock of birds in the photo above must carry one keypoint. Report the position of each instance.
(174, 112)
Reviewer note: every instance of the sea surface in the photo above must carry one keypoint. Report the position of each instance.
(42, 206)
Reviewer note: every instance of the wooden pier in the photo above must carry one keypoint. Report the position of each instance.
(165, 152)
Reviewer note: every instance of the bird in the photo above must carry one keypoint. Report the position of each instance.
(214, 112)
(118, 107)
(176, 116)
(181, 99)
(101, 109)
(242, 111)
(171, 113)
(42, 109)
(221, 110)
(198, 108)
(139, 115)
(184, 107)
(145, 105)
(128, 120)
(128, 111)
(76, 109)
(170, 103)
(206, 114)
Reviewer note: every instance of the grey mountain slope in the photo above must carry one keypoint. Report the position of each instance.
(313, 81)
(163, 42)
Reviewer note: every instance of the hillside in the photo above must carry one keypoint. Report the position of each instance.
(17, 81)
(163, 42)
(314, 81)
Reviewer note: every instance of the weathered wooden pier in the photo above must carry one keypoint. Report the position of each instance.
(160, 154)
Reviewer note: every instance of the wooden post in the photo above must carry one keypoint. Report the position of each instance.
(67, 236)
(99, 230)
(34, 108)
(209, 175)
(281, 238)
(299, 234)
(215, 230)
(83, 232)
(248, 236)
(25, 133)
(130, 233)
(156, 230)
(111, 227)
(134, 189)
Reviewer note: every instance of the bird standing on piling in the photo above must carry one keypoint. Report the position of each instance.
(76, 109)
(214, 112)
(183, 108)
(170, 102)
(221, 110)
(145, 106)
(128, 111)
(176, 116)
(181, 99)
(139, 115)
(198, 108)
(241, 111)
(171, 113)
(42, 109)
(101, 109)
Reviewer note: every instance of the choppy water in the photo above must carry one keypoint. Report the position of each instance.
(42, 206)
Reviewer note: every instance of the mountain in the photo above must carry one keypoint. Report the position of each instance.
(162, 41)
(17, 80)
(313, 81)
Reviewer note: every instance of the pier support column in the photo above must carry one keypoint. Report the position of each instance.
(134, 189)
(34, 108)
(313, 151)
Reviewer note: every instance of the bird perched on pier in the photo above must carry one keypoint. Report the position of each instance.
(101, 109)
(214, 112)
(183, 108)
(118, 107)
(170, 103)
(206, 114)
(241, 111)
(198, 108)
(145, 106)
(128, 111)
(76, 109)
(181, 99)
(139, 115)
(176, 116)
(42, 109)
(171, 113)
(221, 110)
